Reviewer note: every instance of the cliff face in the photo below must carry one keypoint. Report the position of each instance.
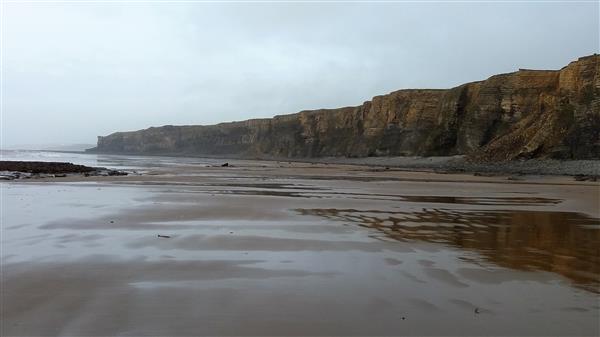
(528, 113)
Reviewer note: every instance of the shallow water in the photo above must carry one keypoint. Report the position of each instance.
(561, 242)
(104, 160)
(252, 251)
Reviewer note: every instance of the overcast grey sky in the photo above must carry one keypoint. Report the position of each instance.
(75, 71)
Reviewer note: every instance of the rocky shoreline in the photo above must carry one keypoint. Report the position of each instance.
(11, 170)
(440, 164)
(462, 164)
(582, 170)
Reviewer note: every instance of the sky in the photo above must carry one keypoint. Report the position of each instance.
(72, 71)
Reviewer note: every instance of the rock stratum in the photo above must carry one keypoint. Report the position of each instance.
(524, 114)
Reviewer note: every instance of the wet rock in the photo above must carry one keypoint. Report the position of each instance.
(117, 173)
(10, 175)
(7, 175)
(583, 177)
(43, 167)
(10, 170)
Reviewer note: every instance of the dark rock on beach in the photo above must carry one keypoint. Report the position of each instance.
(10, 170)
(44, 167)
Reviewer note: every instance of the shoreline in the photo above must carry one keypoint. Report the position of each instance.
(441, 164)
(258, 173)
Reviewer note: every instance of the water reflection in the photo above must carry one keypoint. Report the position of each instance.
(560, 242)
(318, 192)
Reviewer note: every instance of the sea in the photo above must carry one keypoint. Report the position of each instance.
(111, 161)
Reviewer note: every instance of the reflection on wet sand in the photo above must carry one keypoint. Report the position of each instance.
(560, 242)
(386, 254)
(303, 191)
(44, 295)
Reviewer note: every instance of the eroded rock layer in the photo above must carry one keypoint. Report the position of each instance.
(524, 114)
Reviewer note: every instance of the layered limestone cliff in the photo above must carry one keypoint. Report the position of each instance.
(525, 114)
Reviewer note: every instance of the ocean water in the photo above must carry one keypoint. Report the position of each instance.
(122, 162)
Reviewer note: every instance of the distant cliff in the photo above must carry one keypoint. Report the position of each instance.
(524, 114)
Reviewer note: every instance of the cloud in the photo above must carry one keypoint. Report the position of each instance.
(75, 71)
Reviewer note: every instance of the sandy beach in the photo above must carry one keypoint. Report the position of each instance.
(278, 248)
(299, 168)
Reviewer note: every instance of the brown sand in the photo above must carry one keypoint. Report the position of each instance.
(267, 248)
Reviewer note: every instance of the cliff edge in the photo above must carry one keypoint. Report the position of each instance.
(524, 114)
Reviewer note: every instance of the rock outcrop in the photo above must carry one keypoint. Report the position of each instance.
(524, 114)
(10, 170)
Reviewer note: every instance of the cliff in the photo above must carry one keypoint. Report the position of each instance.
(524, 114)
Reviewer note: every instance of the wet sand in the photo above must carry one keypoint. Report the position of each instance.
(277, 248)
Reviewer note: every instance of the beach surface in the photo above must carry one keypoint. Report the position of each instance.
(283, 248)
